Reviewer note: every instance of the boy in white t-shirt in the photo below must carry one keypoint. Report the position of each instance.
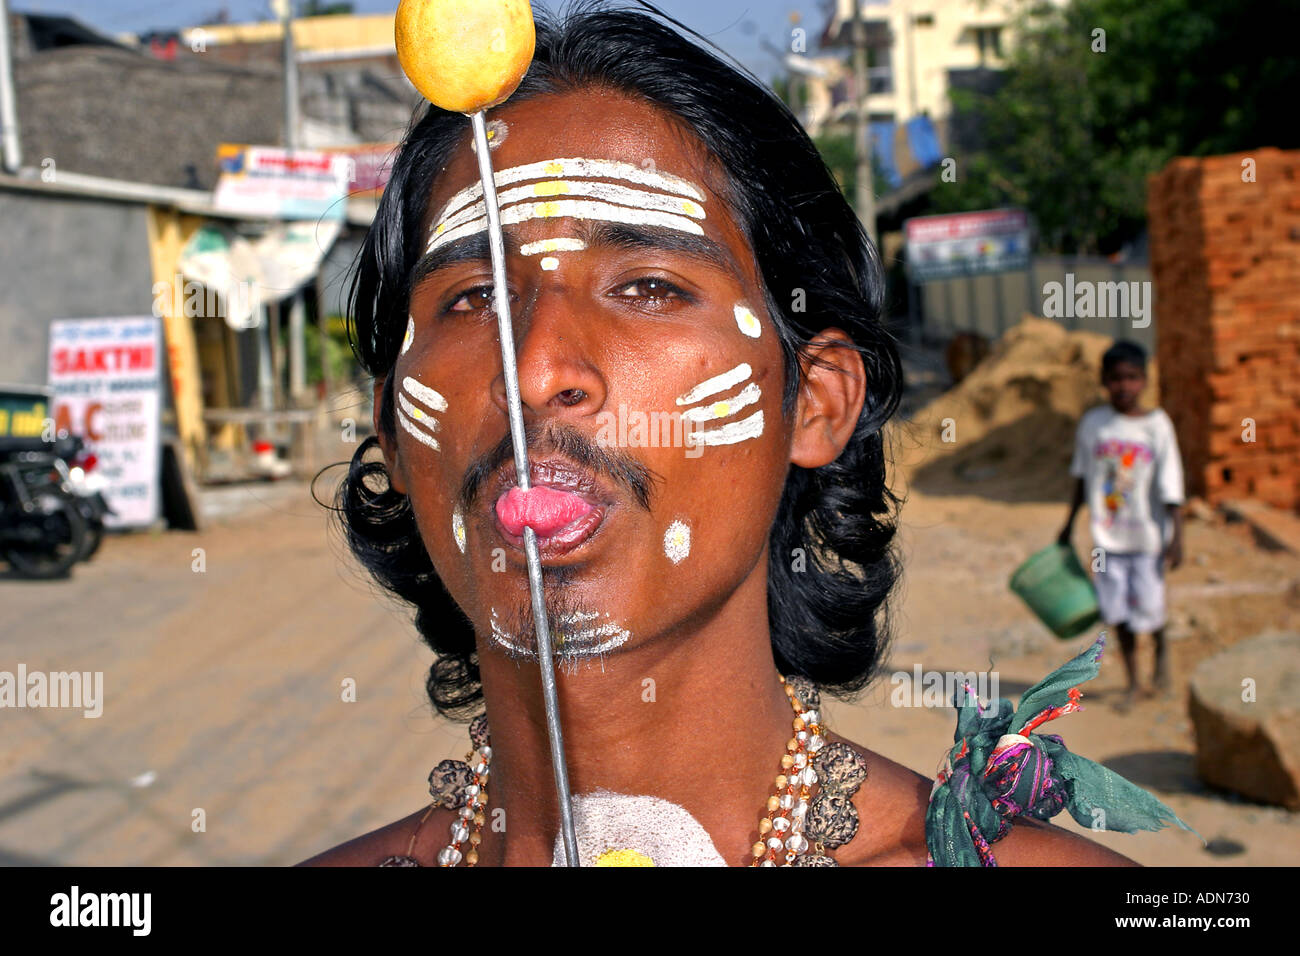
(1130, 473)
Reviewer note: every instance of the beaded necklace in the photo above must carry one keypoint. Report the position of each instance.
(794, 822)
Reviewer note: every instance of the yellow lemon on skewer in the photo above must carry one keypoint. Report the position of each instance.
(465, 55)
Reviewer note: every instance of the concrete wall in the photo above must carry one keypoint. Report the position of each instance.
(992, 303)
(65, 257)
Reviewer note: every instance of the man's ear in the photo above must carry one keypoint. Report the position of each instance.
(389, 448)
(830, 399)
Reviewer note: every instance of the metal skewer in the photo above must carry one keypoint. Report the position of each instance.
(545, 660)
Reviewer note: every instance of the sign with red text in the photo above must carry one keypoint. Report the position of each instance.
(966, 244)
(279, 184)
(107, 381)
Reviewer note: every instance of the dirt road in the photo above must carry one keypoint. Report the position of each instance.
(224, 675)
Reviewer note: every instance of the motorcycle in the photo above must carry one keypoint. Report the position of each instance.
(87, 487)
(43, 531)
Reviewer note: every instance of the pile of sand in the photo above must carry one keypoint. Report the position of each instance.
(1010, 423)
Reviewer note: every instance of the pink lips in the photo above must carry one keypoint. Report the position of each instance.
(546, 510)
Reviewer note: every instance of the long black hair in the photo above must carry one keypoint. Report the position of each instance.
(832, 562)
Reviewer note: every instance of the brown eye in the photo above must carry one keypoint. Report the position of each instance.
(478, 299)
(652, 287)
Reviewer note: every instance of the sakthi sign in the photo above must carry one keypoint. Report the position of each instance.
(106, 376)
(966, 244)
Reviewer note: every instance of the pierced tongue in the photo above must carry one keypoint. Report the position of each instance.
(543, 509)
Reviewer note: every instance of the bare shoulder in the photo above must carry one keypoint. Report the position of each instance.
(373, 848)
(891, 807)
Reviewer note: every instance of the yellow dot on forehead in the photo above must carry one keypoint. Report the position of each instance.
(720, 409)
(547, 210)
(553, 188)
(554, 168)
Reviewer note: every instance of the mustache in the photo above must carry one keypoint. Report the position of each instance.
(542, 439)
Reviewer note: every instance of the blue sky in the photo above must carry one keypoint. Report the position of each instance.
(738, 26)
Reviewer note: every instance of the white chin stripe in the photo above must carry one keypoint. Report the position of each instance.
(574, 168)
(571, 209)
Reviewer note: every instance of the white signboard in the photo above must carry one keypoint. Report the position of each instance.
(266, 181)
(107, 380)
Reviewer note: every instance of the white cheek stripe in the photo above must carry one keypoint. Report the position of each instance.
(724, 408)
(606, 192)
(740, 431)
(719, 383)
(409, 337)
(588, 168)
(552, 245)
(419, 433)
(421, 392)
(415, 412)
(571, 209)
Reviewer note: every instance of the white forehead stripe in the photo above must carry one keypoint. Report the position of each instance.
(576, 167)
(606, 192)
(748, 322)
(423, 393)
(571, 209)
(729, 434)
(725, 407)
(719, 383)
(419, 433)
(552, 245)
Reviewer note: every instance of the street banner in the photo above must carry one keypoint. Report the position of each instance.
(275, 183)
(107, 381)
(967, 244)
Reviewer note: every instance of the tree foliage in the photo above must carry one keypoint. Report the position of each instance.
(1074, 132)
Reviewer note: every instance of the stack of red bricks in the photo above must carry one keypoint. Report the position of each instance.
(1225, 258)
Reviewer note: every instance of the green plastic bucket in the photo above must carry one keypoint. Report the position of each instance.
(1057, 589)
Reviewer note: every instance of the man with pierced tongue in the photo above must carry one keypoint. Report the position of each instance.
(703, 375)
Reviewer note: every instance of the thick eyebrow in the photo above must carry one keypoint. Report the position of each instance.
(597, 235)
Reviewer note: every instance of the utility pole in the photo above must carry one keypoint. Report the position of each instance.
(865, 192)
(285, 8)
(12, 153)
(294, 305)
